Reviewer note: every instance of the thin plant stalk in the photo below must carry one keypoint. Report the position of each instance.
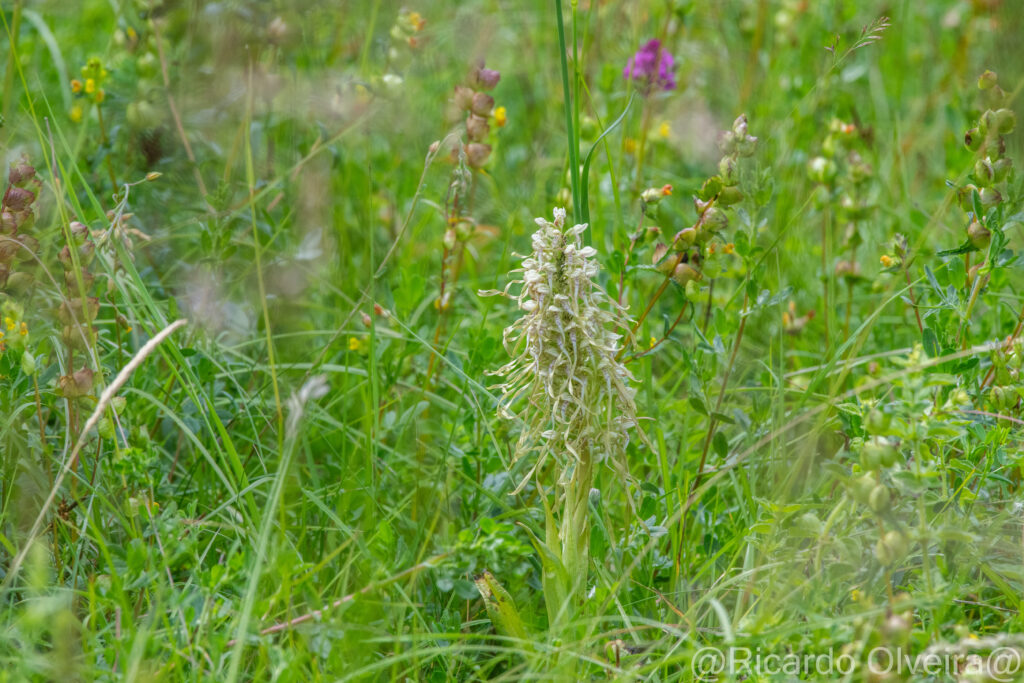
(574, 169)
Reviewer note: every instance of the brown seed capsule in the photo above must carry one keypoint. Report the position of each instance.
(463, 97)
(18, 198)
(74, 311)
(77, 385)
(482, 104)
(477, 153)
(485, 79)
(477, 127)
(8, 223)
(21, 173)
(9, 246)
(71, 280)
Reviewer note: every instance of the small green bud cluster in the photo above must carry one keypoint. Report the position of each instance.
(696, 252)
(992, 168)
(843, 178)
(1007, 387)
(138, 55)
(878, 453)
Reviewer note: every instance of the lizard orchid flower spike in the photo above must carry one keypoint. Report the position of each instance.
(575, 398)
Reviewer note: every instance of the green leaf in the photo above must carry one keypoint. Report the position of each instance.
(720, 444)
(964, 248)
(585, 179)
(501, 609)
(931, 343)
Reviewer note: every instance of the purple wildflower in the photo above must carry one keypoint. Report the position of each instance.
(652, 68)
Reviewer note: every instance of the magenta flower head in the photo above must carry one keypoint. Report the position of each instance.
(652, 68)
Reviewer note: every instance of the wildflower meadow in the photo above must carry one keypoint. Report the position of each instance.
(550, 340)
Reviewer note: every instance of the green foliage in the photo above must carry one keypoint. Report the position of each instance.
(811, 213)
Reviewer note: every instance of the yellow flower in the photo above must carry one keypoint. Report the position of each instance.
(353, 344)
(501, 116)
(76, 86)
(855, 595)
(9, 322)
(23, 330)
(664, 130)
(90, 86)
(100, 95)
(886, 260)
(417, 20)
(630, 145)
(654, 342)
(76, 113)
(729, 248)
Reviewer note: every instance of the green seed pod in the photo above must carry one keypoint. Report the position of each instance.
(28, 363)
(650, 234)
(714, 219)
(877, 422)
(105, 428)
(880, 452)
(19, 283)
(1002, 169)
(897, 543)
(684, 239)
(449, 239)
(979, 235)
(987, 80)
(986, 122)
(870, 458)
(464, 230)
(984, 172)
(1005, 121)
(693, 292)
(662, 263)
(684, 273)
(964, 196)
(730, 195)
(880, 499)
(862, 487)
(989, 196)
(728, 170)
(1003, 398)
(711, 187)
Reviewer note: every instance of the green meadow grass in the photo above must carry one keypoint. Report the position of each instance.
(308, 479)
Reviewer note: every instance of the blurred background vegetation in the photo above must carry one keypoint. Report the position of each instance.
(298, 222)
